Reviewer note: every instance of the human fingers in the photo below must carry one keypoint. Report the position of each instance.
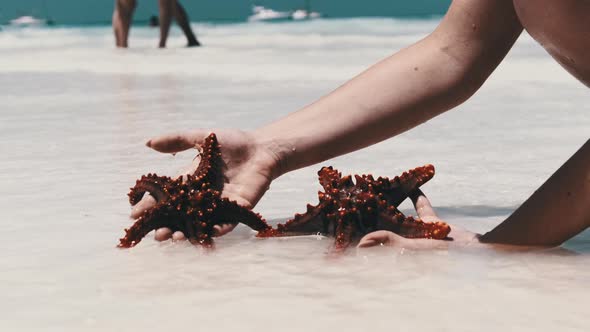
(390, 239)
(379, 238)
(423, 207)
(220, 230)
(177, 142)
(147, 202)
(163, 234)
(178, 236)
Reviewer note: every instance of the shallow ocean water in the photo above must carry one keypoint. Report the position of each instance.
(76, 114)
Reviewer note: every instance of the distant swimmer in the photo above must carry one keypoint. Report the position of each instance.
(123, 14)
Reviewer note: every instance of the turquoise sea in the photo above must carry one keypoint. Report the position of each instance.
(99, 11)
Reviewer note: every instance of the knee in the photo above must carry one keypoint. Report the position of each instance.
(126, 6)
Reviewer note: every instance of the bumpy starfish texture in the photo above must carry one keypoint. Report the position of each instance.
(349, 210)
(192, 205)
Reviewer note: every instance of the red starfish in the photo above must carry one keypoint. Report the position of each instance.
(192, 205)
(349, 210)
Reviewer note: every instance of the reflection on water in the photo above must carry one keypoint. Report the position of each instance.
(72, 140)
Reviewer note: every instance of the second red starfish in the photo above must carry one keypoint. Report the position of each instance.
(348, 210)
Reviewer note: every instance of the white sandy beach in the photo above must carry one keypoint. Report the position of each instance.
(75, 114)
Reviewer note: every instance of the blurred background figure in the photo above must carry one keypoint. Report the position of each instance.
(169, 9)
(154, 21)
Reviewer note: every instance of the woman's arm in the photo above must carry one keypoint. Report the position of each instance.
(558, 210)
(402, 91)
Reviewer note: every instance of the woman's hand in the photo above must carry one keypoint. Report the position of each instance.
(386, 238)
(251, 166)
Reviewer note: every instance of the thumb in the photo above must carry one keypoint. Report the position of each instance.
(173, 143)
(373, 239)
(423, 207)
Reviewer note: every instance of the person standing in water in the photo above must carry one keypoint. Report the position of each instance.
(123, 14)
(406, 89)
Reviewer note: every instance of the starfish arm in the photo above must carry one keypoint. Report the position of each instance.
(207, 243)
(395, 191)
(152, 183)
(198, 228)
(415, 178)
(329, 177)
(231, 212)
(313, 221)
(417, 229)
(394, 221)
(345, 231)
(210, 169)
(390, 221)
(152, 219)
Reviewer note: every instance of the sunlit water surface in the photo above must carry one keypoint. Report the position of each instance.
(76, 113)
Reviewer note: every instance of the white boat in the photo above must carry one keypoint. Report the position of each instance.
(25, 21)
(260, 13)
(302, 14)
